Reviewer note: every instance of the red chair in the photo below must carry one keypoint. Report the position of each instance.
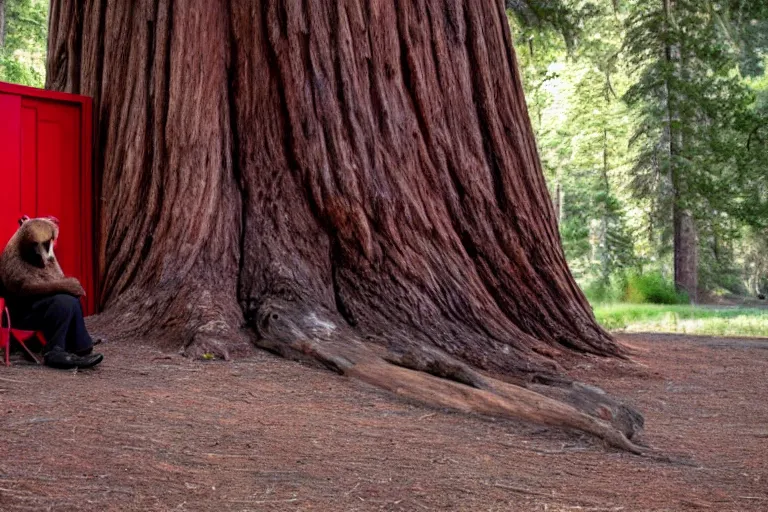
(7, 333)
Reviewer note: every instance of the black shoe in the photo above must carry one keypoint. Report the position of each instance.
(67, 361)
(61, 360)
(90, 361)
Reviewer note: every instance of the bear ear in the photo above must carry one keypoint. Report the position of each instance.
(23, 219)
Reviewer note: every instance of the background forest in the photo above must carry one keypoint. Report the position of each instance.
(647, 111)
(652, 124)
(23, 34)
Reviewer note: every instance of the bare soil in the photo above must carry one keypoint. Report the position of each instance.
(151, 431)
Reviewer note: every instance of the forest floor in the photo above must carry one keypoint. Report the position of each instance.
(147, 431)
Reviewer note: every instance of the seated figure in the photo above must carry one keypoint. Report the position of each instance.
(40, 298)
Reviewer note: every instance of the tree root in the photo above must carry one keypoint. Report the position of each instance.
(591, 400)
(426, 375)
(506, 400)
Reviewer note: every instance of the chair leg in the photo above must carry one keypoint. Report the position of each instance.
(33, 356)
(5, 344)
(5, 332)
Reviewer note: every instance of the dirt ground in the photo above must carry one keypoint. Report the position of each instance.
(148, 431)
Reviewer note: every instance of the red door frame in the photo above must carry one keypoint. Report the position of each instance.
(89, 205)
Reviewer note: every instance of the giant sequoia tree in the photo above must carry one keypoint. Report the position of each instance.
(352, 182)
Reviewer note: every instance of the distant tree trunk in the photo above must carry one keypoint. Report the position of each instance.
(685, 241)
(353, 182)
(2, 23)
(686, 254)
(604, 255)
(558, 202)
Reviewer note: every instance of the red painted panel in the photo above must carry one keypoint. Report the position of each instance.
(28, 161)
(56, 165)
(10, 165)
(45, 169)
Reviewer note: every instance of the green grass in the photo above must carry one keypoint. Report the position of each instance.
(704, 320)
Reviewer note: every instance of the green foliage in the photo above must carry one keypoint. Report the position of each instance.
(652, 288)
(23, 49)
(745, 25)
(611, 291)
(565, 17)
(731, 321)
(634, 288)
(692, 104)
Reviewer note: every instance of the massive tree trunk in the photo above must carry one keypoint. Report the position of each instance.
(353, 182)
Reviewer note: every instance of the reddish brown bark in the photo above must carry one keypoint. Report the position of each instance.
(354, 181)
(686, 254)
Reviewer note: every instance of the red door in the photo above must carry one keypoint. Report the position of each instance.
(45, 170)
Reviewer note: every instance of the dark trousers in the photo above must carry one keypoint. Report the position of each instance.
(59, 317)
